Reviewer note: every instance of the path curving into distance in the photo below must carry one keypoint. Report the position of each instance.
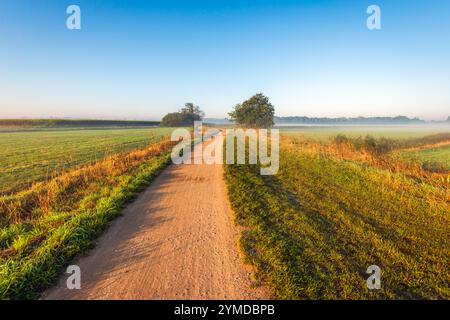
(176, 241)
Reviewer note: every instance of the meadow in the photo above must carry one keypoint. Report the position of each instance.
(340, 204)
(85, 177)
(33, 156)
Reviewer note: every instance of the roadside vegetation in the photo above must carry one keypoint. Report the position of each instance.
(335, 208)
(67, 123)
(44, 227)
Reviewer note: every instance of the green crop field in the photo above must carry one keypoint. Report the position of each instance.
(29, 124)
(337, 205)
(334, 209)
(26, 157)
(45, 226)
(324, 133)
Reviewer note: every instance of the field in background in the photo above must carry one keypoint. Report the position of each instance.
(44, 227)
(324, 133)
(27, 157)
(339, 205)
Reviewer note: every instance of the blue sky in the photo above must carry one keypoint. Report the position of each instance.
(141, 59)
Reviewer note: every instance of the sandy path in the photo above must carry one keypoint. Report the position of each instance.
(176, 241)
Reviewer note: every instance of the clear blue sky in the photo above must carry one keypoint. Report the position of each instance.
(140, 59)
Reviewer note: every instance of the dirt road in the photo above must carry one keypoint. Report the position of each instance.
(176, 241)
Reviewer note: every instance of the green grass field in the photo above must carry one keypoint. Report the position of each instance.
(26, 157)
(312, 230)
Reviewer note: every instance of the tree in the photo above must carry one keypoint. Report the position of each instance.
(256, 112)
(189, 108)
(184, 118)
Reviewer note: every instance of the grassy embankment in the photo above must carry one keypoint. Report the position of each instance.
(336, 208)
(44, 227)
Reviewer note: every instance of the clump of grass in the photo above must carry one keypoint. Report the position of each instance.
(312, 230)
(45, 227)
